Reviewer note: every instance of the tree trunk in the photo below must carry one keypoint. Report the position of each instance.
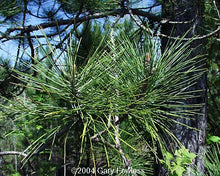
(190, 11)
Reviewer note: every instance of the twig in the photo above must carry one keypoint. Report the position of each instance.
(196, 38)
(22, 36)
(18, 53)
(216, 8)
(124, 117)
(118, 146)
(99, 139)
(116, 117)
(32, 51)
(13, 153)
(113, 12)
(23, 25)
(164, 21)
(97, 135)
(44, 17)
(138, 23)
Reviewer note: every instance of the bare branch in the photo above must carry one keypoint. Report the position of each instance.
(216, 8)
(127, 162)
(114, 12)
(44, 17)
(97, 135)
(99, 139)
(138, 23)
(115, 117)
(196, 38)
(164, 21)
(13, 153)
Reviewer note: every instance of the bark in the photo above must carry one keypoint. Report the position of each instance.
(188, 10)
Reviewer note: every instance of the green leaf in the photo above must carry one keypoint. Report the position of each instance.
(179, 170)
(16, 174)
(191, 155)
(214, 139)
(168, 156)
(38, 127)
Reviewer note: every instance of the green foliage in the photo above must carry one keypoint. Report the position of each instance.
(7, 89)
(213, 139)
(92, 36)
(118, 81)
(96, 82)
(72, 6)
(7, 167)
(213, 78)
(140, 156)
(212, 161)
(46, 168)
(16, 174)
(178, 163)
(9, 9)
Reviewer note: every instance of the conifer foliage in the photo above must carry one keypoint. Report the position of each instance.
(110, 112)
